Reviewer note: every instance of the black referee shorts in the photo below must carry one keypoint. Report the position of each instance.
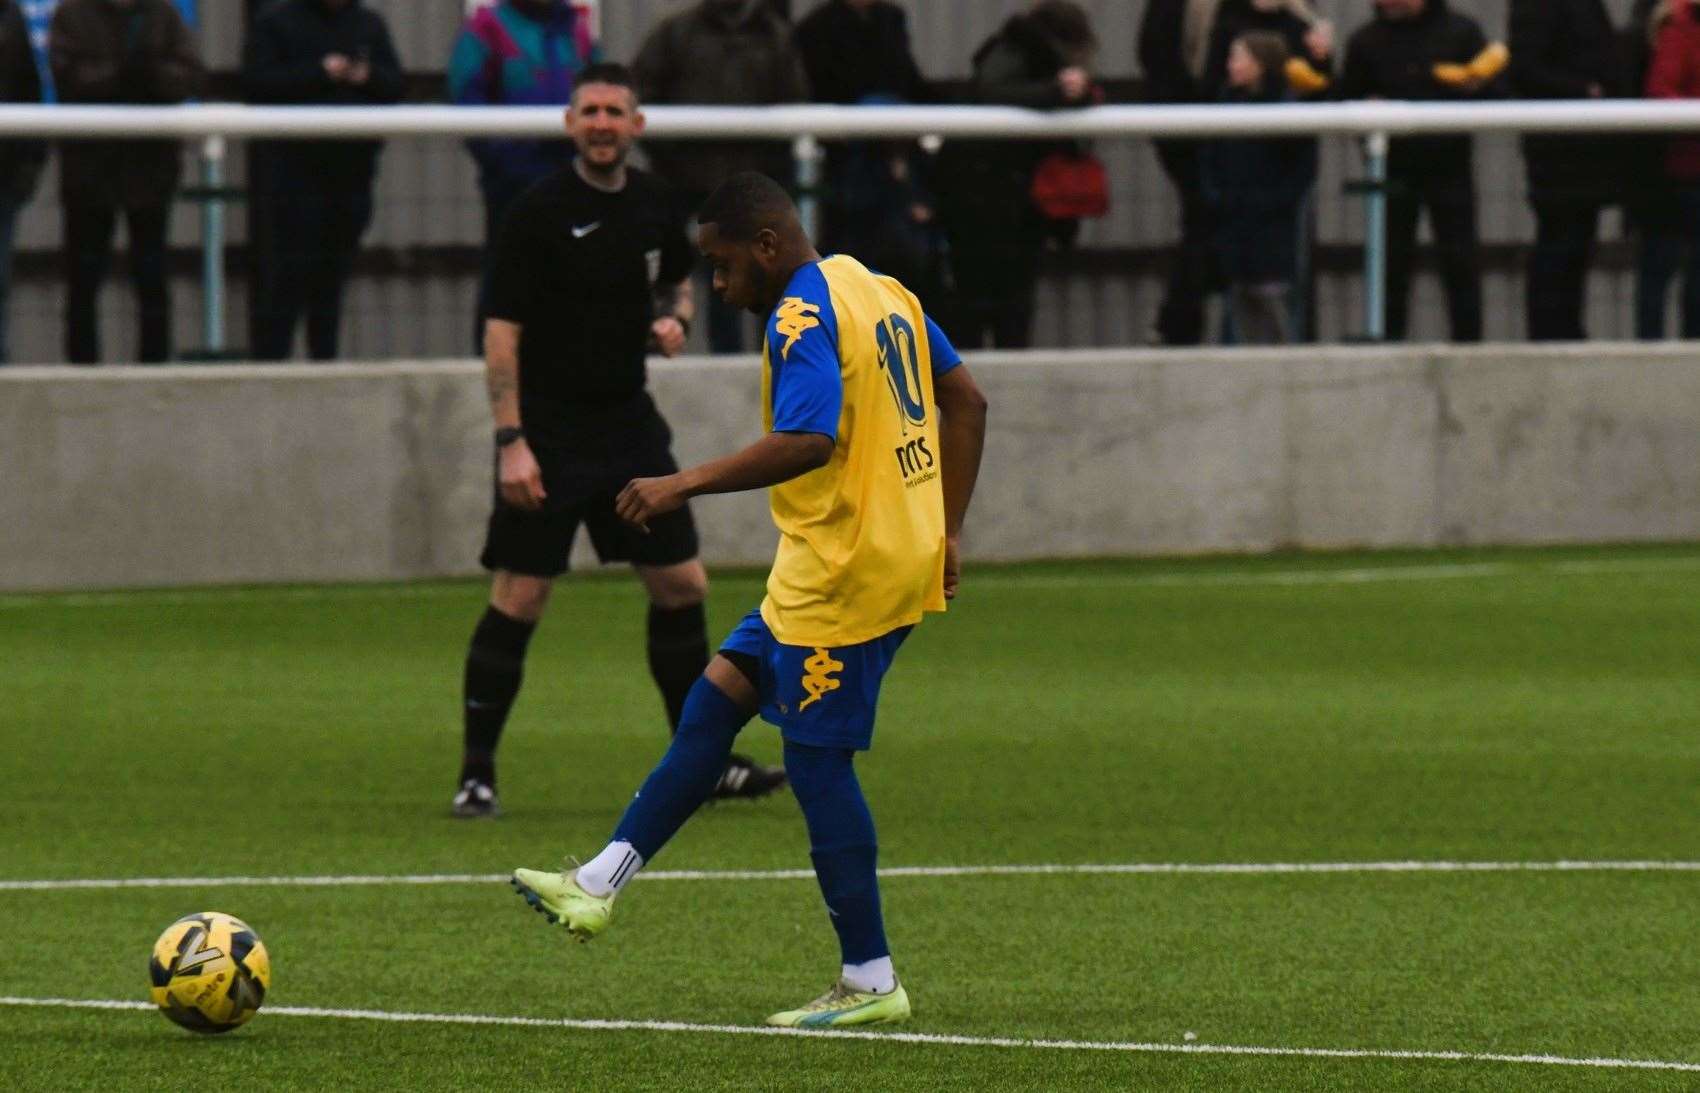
(581, 488)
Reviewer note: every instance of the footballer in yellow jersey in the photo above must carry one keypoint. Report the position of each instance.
(874, 430)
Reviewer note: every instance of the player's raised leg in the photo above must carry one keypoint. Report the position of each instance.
(719, 705)
(495, 667)
(678, 656)
(845, 851)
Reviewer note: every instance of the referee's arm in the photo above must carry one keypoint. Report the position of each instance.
(675, 306)
(520, 477)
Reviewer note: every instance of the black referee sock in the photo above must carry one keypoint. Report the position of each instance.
(678, 653)
(495, 664)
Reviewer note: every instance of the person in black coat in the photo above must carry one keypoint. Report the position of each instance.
(1169, 78)
(856, 48)
(875, 205)
(1038, 60)
(20, 160)
(1566, 49)
(1423, 50)
(316, 196)
(119, 51)
(1256, 188)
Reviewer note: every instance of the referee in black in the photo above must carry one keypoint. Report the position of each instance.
(591, 271)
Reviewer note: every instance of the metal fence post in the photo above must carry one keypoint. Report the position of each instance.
(212, 246)
(1375, 238)
(806, 151)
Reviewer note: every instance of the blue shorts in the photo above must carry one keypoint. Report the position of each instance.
(821, 697)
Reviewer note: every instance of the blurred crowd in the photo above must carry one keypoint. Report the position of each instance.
(967, 224)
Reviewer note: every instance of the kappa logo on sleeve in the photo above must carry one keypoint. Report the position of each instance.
(794, 319)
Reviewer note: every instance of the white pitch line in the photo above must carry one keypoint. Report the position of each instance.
(1005, 580)
(931, 1039)
(1086, 869)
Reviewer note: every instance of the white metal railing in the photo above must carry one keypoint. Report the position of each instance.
(213, 124)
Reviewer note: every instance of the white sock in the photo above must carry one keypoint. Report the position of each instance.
(875, 975)
(609, 871)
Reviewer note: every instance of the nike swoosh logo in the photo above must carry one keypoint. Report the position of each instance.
(580, 233)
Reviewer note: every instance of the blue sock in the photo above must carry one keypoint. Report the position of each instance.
(687, 774)
(842, 844)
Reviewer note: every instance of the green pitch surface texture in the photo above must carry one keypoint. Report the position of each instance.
(1426, 734)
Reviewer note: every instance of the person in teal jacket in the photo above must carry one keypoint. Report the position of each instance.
(517, 53)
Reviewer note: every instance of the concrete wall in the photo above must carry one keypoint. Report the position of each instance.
(121, 477)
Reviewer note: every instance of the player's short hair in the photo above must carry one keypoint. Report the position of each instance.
(607, 72)
(745, 204)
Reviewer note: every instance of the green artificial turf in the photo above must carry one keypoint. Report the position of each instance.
(1507, 706)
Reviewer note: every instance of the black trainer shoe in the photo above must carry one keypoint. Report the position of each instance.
(747, 779)
(476, 801)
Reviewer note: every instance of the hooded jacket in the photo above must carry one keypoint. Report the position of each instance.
(20, 160)
(720, 54)
(283, 63)
(104, 52)
(1395, 59)
(515, 54)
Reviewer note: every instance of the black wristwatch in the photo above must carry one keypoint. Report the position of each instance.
(508, 434)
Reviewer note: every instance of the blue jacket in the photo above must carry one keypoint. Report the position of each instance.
(1257, 187)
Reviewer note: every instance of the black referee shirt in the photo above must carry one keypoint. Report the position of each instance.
(577, 269)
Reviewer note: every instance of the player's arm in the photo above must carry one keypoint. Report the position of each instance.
(520, 477)
(775, 458)
(675, 307)
(962, 437)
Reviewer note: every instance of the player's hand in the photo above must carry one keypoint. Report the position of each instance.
(521, 478)
(952, 566)
(643, 499)
(669, 336)
(336, 65)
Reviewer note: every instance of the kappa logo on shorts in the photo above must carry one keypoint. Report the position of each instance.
(817, 680)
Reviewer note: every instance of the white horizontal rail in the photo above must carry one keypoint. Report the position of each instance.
(785, 122)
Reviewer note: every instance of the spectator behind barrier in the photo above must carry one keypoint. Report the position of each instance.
(1566, 49)
(1257, 188)
(1174, 40)
(1039, 59)
(516, 53)
(1675, 74)
(1309, 39)
(1421, 49)
(1308, 72)
(877, 201)
(720, 53)
(119, 51)
(313, 199)
(20, 160)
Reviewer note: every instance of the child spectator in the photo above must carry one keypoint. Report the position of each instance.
(1256, 188)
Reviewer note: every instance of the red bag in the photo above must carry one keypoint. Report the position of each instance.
(1071, 186)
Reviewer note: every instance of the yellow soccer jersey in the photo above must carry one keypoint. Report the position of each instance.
(850, 354)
